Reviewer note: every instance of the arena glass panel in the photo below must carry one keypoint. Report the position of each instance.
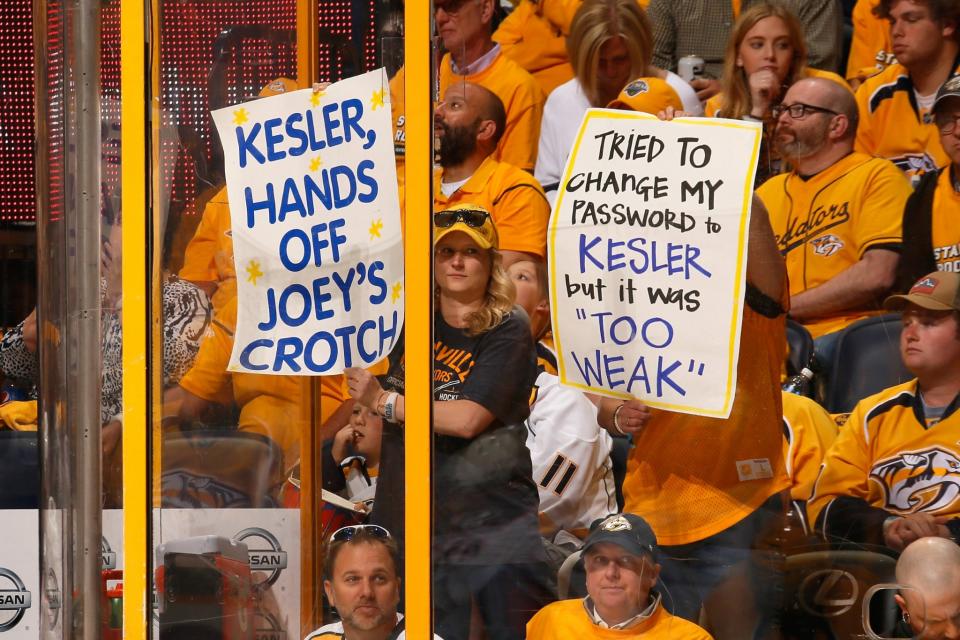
(824, 595)
(517, 491)
(252, 473)
(70, 342)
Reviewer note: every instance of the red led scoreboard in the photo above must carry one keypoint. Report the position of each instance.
(212, 53)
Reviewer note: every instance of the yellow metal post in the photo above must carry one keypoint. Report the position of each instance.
(134, 176)
(419, 284)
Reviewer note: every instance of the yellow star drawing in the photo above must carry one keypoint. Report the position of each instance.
(315, 98)
(395, 295)
(253, 269)
(316, 163)
(377, 99)
(375, 228)
(240, 116)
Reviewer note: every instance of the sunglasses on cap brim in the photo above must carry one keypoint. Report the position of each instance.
(345, 534)
(471, 217)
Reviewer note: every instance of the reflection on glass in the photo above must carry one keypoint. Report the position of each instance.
(242, 456)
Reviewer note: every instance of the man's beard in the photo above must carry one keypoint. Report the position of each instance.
(367, 623)
(457, 144)
(802, 145)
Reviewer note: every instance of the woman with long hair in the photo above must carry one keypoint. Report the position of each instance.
(766, 54)
(487, 548)
(610, 43)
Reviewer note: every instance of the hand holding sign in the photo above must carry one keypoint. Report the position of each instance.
(316, 228)
(654, 218)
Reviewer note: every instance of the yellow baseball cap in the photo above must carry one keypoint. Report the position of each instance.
(278, 86)
(649, 95)
(471, 219)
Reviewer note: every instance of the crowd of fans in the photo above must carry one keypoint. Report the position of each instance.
(856, 212)
(856, 196)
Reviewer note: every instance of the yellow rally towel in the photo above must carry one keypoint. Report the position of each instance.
(19, 416)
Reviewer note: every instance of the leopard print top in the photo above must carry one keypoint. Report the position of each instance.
(186, 314)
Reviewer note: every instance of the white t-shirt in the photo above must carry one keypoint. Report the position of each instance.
(449, 188)
(562, 114)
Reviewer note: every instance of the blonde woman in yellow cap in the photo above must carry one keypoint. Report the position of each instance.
(487, 547)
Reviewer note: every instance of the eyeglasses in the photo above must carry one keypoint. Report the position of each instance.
(946, 122)
(799, 110)
(345, 534)
(471, 217)
(599, 562)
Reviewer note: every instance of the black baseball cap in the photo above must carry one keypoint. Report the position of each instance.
(949, 89)
(626, 530)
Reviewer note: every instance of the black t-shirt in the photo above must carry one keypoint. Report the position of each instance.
(486, 501)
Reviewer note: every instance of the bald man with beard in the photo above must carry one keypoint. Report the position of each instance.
(928, 573)
(469, 124)
(836, 215)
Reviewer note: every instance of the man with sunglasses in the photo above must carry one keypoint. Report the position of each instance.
(619, 557)
(361, 580)
(931, 235)
(836, 215)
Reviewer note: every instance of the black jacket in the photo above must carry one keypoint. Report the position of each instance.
(916, 254)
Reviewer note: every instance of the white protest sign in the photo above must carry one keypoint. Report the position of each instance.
(648, 258)
(315, 218)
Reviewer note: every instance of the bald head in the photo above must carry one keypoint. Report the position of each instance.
(468, 102)
(489, 107)
(928, 573)
(836, 97)
(930, 564)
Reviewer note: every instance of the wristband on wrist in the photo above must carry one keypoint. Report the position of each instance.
(380, 407)
(390, 407)
(616, 419)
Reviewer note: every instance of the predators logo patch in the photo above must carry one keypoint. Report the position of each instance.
(826, 245)
(927, 480)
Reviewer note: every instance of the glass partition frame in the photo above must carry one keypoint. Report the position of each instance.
(140, 310)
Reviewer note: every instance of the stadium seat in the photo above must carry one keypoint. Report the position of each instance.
(220, 469)
(866, 361)
(800, 344)
(19, 470)
(565, 575)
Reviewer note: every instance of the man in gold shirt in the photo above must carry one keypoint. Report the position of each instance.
(836, 216)
(619, 559)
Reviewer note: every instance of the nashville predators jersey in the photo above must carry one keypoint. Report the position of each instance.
(887, 461)
(945, 224)
(871, 49)
(808, 432)
(824, 224)
(894, 126)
